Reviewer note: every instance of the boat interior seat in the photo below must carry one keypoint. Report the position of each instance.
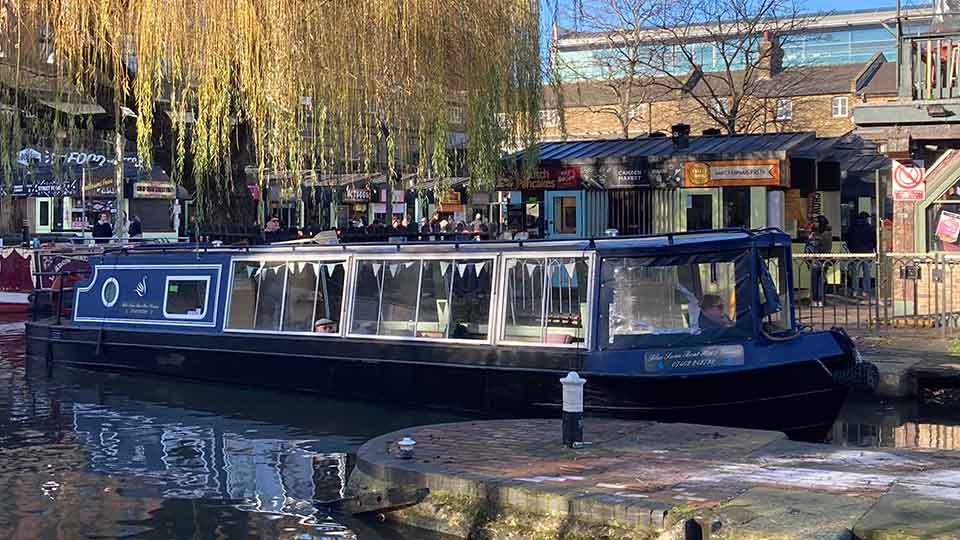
(559, 338)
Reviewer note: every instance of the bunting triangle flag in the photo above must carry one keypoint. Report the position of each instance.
(478, 267)
(530, 268)
(376, 269)
(393, 270)
(276, 269)
(444, 266)
(409, 264)
(316, 269)
(511, 264)
(571, 269)
(292, 267)
(461, 268)
(251, 270)
(301, 266)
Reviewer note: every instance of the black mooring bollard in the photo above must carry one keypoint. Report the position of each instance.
(572, 409)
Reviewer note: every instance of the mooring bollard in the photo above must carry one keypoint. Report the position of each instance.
(572, 409)
(405, 447)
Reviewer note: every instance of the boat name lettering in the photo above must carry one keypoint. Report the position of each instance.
(701, 357)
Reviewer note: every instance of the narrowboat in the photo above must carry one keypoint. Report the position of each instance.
(687, 327)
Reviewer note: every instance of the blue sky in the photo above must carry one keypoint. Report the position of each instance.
(809, 5)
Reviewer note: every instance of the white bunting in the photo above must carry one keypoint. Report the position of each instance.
(393, 270)
(444, 266)
(530, 269)
(461, 268)
(251, 270)
(478, 267)
(301, 266)
(409, 264)
(571, 268)
(292, 267)
(276, 269)
(316, 268)
(511, 264)
(376, 269)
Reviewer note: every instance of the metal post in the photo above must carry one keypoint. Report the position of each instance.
(572, 409)
(60, 296)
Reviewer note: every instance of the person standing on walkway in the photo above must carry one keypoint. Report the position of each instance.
(819, 241)
(103, 230)
(862, 238)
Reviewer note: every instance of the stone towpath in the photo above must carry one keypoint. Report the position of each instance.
(513, 478)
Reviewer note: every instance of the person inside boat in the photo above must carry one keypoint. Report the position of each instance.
(713, 314)
(324, 326)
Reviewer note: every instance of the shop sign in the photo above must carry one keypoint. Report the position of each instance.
(450, 197)
(100, 187)
(354, 195)
(747, 172)
(545, 177)
(948, 227)
(908, 180)
(154, 189)
(617, 172)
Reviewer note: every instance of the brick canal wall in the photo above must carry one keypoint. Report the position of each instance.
(643, 480)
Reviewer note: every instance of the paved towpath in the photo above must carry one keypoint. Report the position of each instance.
(647, 480)
(909, 360)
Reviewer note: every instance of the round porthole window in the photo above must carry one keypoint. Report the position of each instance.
(110, 292)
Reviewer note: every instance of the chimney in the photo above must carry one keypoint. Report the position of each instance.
(770, 61)
(680, 134)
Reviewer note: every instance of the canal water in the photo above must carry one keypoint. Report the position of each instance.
(95, 455)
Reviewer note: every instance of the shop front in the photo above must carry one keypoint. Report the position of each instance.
(554, 202)
(738, 193)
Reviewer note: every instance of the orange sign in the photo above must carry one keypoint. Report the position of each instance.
(747, 172)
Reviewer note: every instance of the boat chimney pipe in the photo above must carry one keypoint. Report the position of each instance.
(572, 409)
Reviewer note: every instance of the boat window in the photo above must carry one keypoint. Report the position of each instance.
(270, 296)
(677, 299)
(546, 300)
(299, 297)
(398, 304)
(243, 295)
(773, 289)
(455, 299)
(445, 299)
(289, 296)
(186, 297)
(329, 296)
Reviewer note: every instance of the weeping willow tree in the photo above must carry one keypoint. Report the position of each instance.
(332, 86)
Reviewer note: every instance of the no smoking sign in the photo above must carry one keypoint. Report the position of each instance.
(908, 180)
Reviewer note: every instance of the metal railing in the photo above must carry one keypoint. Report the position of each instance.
(861, 291)
(931, 66)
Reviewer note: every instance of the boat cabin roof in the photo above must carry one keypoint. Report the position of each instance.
(683, 242)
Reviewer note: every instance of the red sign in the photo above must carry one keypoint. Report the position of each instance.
(908, 180)
(948, 227)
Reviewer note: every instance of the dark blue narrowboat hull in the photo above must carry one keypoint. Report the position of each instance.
(800, 398)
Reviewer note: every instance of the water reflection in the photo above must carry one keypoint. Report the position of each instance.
(86, 454)
(920, 424)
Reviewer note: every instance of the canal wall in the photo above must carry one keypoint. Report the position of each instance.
(643, 480)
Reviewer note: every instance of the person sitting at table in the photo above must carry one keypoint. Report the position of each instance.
(324, 326)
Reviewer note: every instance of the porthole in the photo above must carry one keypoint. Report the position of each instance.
(110, 292)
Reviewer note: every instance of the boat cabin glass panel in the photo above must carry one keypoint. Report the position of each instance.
(426, 299)
(286, 295)
(186, 297)
(546, 300)
(666, 300)
(774, 290)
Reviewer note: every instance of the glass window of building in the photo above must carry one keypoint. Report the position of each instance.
(186, 297)
(673, 300)
(784, 110)
(839, 106)
(546, 300)
(565, 215)
(736, 207)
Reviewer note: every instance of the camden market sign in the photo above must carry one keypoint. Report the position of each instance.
(603, 173)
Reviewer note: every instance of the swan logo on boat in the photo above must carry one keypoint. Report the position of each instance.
(141, 289)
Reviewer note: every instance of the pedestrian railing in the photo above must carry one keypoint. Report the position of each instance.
(862, 291)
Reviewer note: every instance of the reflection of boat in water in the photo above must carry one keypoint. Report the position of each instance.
(16, 282)
(693, 327)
